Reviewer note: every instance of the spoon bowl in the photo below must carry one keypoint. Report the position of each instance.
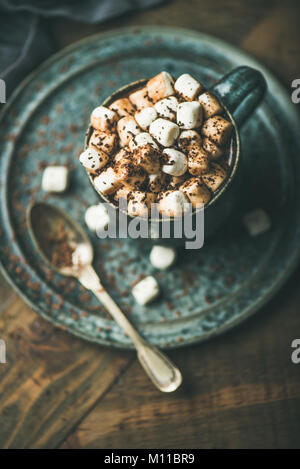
(46, 223)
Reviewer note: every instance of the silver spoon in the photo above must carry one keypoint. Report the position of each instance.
(66, 247)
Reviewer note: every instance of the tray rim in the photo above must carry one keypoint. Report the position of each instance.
(274, 85)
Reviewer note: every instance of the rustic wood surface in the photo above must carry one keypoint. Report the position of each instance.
(240, 390)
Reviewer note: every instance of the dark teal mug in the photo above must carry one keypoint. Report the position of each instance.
(239, 92)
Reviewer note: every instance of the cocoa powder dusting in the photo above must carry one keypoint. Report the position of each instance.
(60, 247)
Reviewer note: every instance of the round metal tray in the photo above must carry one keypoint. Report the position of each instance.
(208, 291)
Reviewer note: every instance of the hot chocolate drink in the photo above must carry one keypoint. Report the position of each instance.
(169, 142)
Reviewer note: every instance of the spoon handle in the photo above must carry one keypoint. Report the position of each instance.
(162, 372)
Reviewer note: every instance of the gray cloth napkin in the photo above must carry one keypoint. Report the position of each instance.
(24, 39)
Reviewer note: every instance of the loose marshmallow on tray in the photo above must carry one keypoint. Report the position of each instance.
(156, 181)
(55, 179)
(217, 129)
(214, 177)
(146, 290)
(189, 115)
(107, 182)
(173, 204)
(167, 107)
(164, 131)
(187, 87)
(93, 159)
(127, 128)
(96, 217)
(128, 174)
(257, 222)
(197, 193)
(140, 99)
(148, 158)
(175, 162)
(160, 86)
(140, 202)
(162, 257)
(123, 107)
(188, 138)
(212, 149)
(142, 139)
(145, 117)
(105, 141)
(198, 160)
(103, 118)
(210, 105)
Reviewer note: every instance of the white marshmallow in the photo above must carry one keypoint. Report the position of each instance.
(167, 107)
(198, 163)
(145, 117)
(176, 164)
(123, 107)
(218, 129)
(161, 86)
(93, 160)
(122, 193)
(214, 176)
(197, 193)
(140, 203)
(162, 257)
(128, 174)
(105, 141)
(103, 118)
(164, 131)
(96, 217)
(173, 204)
(210, 147)
(147, 158)
(82, 256)
(187, 86)
(210, 105)
(122, 154)
(156, 181)
(140, 99)
(127, 129)
(189, 115)
(55, 179)
(142, 139)
(188, 138)
(146, 290)
(257, 222)
(107, 182)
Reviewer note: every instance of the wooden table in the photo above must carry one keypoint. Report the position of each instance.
(240, 390)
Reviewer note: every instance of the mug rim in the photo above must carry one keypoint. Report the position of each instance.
(136, 84)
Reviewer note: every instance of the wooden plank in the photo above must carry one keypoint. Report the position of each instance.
(275, 41)
(231, 21)
(7, 294)
(51, 379)
(240, 390)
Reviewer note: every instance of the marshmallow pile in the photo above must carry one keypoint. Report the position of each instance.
(166, 143)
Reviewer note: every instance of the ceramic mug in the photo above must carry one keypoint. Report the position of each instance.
(239, 92)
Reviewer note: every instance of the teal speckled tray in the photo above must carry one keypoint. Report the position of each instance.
(208, 291)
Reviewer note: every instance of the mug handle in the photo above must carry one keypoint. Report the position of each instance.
(241, 91)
